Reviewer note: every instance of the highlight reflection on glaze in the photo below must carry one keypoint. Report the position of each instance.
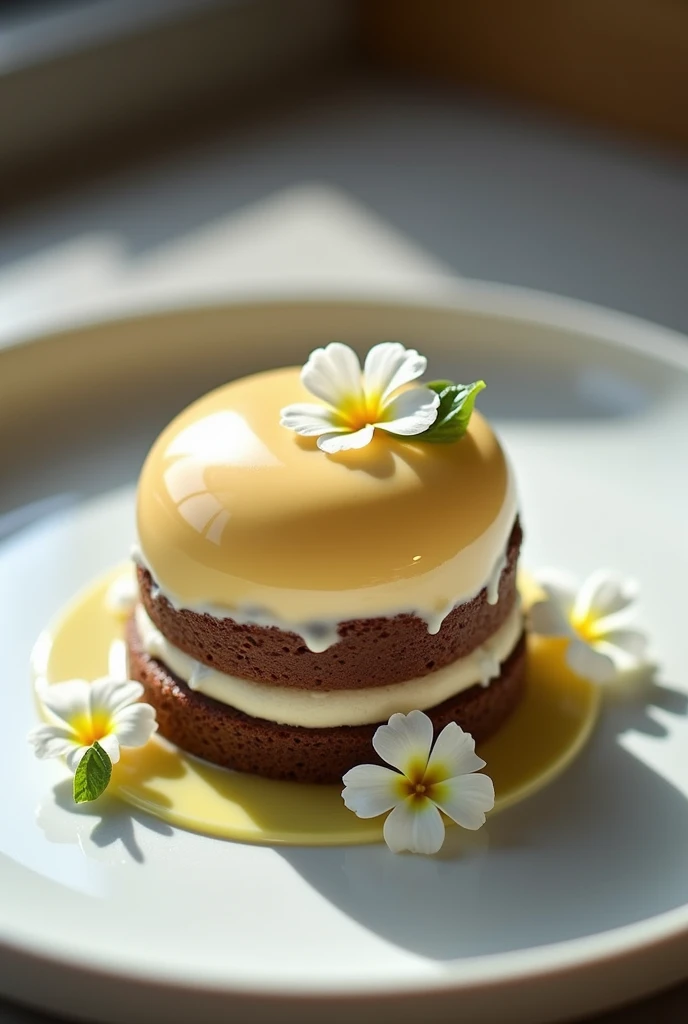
(239, 515)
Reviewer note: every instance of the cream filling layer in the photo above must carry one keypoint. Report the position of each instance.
(313, 709)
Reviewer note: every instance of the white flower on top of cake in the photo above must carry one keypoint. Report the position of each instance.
(94, 719)
(428, 780)
(359, 401)
(594, 618)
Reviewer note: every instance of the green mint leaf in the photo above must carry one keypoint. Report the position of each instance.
(457, 402)
(92, 775)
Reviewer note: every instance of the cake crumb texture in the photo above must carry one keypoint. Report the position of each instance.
(370, 652)
(227, 737)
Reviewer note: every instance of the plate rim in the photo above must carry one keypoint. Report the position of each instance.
(471, 295)
(652, 935)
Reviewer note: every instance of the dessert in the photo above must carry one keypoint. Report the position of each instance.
(300, 583)
(319, 587)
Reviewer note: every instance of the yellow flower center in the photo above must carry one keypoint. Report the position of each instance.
(586, 627)
(419, 783)
(357, 411)
(90, 728)
(417, 791)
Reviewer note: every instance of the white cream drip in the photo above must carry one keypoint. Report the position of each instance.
(495, 577)
(122, 594)
(288, 705)
(476, 567)
(317, 636)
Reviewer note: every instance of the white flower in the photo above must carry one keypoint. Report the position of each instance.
(122, 595)
(107, 710)
(594, 619)
(359, 401)
(428, 780)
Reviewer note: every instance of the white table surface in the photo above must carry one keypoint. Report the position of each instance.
(369, 189)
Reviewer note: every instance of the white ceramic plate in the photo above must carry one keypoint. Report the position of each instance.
(567, 903)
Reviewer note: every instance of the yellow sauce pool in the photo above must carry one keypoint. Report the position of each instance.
(544, 735)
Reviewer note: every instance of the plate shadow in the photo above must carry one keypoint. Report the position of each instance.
(602, 847)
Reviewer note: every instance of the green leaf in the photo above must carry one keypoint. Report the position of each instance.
(92, 775)
(457, 402)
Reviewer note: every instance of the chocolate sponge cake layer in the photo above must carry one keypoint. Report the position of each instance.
(370, 652)
(231, 739)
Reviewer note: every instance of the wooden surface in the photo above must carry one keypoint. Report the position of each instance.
(622, 63)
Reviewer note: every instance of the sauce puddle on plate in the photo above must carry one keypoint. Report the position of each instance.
(543, 736)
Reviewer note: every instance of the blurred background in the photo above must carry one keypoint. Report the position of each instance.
(169, 148)
(163, 151)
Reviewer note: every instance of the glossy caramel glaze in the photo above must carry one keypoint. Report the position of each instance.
(238, 515)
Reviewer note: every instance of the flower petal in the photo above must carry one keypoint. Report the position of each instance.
(604, 593)
(631, 642)
(68, 700)
(547, 618)
(550, 619)
(110, 745)
(74, 756)
(309, 420)
(560, 588)
(333, 374)
(589, 663)
(465, 799)
(388, 366)
(112, 695)
(52, 740)
(405, 742)
(453, 754)
(134, 725)
(415, 825)
(371, 789)
(342, 442)
(411, 412)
